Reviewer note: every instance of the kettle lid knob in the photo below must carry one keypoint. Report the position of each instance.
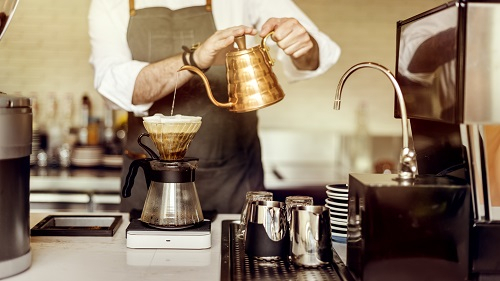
(240, 41)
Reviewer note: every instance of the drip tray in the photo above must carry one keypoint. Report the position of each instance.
(236, 265)
(76, 225)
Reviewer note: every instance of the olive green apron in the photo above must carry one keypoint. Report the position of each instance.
(227, 144)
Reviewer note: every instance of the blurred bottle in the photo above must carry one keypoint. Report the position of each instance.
(109, 134)
(361, 148)
(54, 130)
(85, 111)
(66, 117)
(93, 131)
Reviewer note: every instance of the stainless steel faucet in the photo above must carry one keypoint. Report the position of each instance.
(407, 163)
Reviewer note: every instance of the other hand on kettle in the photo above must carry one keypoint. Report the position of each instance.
(215, 46)
(294, 40)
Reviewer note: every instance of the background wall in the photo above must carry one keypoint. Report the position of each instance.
(366, 31)
(45, 54)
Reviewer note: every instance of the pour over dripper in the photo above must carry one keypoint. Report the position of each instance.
(171, 135)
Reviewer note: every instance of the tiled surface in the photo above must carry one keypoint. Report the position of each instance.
(45, 52)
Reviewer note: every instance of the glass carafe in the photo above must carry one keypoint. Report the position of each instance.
(172, 200)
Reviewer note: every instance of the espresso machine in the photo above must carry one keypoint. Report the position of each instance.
(449, 78)
(172, 217)
(438, 218)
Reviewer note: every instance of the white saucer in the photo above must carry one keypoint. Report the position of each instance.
(334, 210)
(337, 220)
(337, 194)
(343, 188)
(339, 237)
(85, 162)
(112, 160)
(339, 223)
(332, 203)
(336, 229)
(339, 198)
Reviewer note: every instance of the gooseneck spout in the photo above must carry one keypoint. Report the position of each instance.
(408, 163)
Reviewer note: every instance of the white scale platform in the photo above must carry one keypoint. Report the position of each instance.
(140, 236)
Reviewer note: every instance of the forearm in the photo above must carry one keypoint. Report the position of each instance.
(158, 80)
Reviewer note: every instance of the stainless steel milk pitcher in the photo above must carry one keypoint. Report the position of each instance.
(267, 235)
(310, 236)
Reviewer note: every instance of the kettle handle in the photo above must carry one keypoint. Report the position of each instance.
(132, 172)
(265, 49)
(207, 86)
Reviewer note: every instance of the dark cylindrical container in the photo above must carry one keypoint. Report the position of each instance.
(15, 149)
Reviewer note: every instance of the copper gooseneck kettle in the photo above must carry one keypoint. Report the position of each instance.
(251, 82)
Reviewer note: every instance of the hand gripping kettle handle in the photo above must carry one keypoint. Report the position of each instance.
(132, 172)
(265, 49)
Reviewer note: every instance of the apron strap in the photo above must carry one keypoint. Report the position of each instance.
(208, 6)
(131, 5)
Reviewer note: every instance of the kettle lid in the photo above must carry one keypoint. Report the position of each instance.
(11, 101)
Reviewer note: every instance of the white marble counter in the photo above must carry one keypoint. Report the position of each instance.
(107, 258)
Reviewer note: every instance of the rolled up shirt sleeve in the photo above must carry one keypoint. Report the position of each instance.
(114, 70)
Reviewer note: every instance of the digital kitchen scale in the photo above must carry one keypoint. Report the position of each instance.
(140, 236)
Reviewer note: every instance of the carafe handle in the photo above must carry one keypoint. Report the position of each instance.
(207, 86)
(145, 147)
(132, 172)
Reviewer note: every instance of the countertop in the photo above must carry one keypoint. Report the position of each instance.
(88, 180)
(107, 258)
(107, 180)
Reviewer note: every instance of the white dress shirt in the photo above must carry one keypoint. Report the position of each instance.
(116, 72)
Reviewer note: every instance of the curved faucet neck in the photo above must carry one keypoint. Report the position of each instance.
(407, 167)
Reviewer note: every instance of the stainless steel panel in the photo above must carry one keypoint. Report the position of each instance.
(448, 63)
(482, 63)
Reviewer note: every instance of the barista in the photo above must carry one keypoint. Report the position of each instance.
(137, 48)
